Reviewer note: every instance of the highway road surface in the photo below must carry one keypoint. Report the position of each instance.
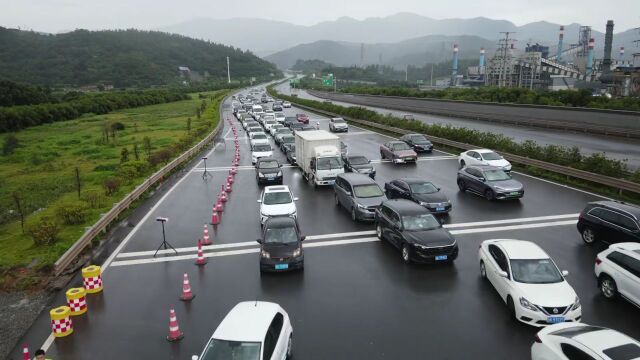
(355, 298)
(614, 147)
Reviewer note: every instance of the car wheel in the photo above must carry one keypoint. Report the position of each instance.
(290, 347)
(381, 155)
(406, 253)
(489, 195)
(310, 180)
(608, 287)
(336, 199)
(483, 270)
(379, 231)
(462, 185)
(354, 217)
(588, 236)
(512, 307)
(462, 164)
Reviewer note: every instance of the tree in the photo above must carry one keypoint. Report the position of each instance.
(18, 200)
(146, 143)
(10, 144)
(78, 181)
(136, 152)
(189, 125)
(124, 155)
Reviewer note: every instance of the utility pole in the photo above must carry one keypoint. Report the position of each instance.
(431, 74)
(406, 73)
(228, 72)
(504, 46)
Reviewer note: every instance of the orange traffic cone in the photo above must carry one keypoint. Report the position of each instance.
(201, 260)
(219, 206)
(234, 170)
(228, 189)
(174, 330)
(187, 295)
(215, 220)
(229, 179)
(25, 352)
(205, 237)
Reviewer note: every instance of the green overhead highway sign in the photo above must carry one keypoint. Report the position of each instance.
(327, 80)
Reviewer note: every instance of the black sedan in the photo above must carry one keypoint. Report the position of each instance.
(290, 152)
(281, 245)
(489, 181)
(287, 139)
(359, 164)
(290, 120)
(415, 231)
(418, 142)
(268, 171)
(421, 192)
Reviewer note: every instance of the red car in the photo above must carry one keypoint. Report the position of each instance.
(398, 152)
(302, 118)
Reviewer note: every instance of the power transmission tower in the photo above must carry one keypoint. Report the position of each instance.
(505, 45)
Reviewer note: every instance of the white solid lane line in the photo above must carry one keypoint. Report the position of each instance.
(510, 221)
(514, 227)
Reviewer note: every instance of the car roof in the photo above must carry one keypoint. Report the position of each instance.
(414, 180)
(631, 247)
(276, 188)
(629, 208)
(521, 249)
(596, 338)
(405, 206)
(263, 159)
(396, 142)
(484, 167)
(357, 179)
(482, 151)
(280, 221)
(247, 321)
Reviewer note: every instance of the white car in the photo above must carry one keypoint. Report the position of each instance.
(258, 138)
(252, 330)
(570, 341)
(259, 151)
(274, 128)
(286, 104)
(268, 124)
(271, 117)
(280, 117)
(277, 201)
(338, 124)
(618, 271)
(483, 157)
(529, 282)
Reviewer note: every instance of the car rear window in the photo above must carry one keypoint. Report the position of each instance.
(575, 331)
(623, 352)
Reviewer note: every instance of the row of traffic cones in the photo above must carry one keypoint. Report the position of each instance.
(187, 295)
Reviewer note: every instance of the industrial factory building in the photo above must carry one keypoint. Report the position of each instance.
(568, 66)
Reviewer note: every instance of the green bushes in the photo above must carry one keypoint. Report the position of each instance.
(566, 156)
(44, 231)
(71, 212)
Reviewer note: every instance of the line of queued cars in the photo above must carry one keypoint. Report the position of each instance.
(407, 213)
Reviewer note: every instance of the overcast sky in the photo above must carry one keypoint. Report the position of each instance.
(58, 15)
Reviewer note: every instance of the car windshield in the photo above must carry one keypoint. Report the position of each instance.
(281, 235)
(262, 147)
(284, 131)
(358, 160)
(420, 222)
(276, 198)
(491, 156)
(400, 146)
(288, 139)
(268, 164)
(423, 188)
(535, 271)
(496, 175)
(259, 136)
(338, 120)
(231, 350)
(367, 191)
(328, 163)
(418, 138)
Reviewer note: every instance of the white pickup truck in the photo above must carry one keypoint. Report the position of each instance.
(318, 155)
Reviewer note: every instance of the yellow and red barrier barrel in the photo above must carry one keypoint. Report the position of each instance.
(92, 279)
(61, 324)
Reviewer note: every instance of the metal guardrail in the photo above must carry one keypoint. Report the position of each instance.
(619, 184)
(101, 225)
(379, 101)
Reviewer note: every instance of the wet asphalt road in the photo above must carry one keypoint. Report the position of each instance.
(616, 148)
(355, 299)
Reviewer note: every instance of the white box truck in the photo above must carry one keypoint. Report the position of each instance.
(318, 155)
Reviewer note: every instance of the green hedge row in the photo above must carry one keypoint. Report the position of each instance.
(567, 156)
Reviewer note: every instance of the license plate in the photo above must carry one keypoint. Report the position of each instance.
(270, 176)
(516, 193)
(441, 257)
(331, 182)
(408, 159)
(439, 209)
(282, 266)
(555, 319)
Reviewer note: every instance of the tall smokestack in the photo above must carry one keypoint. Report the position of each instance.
(608, 43)
(481, 64)
(559, 54)
(454, 65)
(621, 52)
(589, 69)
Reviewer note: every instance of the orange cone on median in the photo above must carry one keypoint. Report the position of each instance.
(201, 260)
(205, 237)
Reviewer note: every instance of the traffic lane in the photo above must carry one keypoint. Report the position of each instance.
(361, 292)
(617, 148)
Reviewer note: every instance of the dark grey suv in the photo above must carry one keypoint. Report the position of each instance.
(610, 222)
(489, 181)
(359, 194)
